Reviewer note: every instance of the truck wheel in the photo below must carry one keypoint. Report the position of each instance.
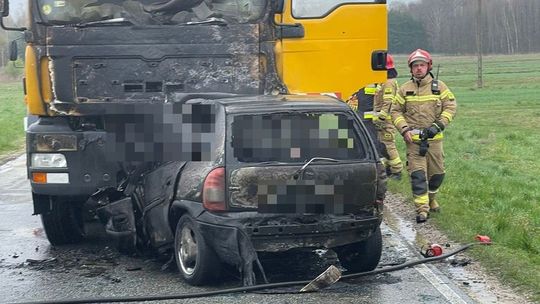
(362, 256)
(197, 262)
(63, 223)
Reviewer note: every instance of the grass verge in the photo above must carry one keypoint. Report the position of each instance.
(12, 112)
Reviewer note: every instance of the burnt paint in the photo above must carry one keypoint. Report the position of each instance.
(358, 179)
(159, 189)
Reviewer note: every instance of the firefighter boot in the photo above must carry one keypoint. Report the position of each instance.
(435, 182)
(421, 217)
(433, 205)
(396, 176)
(422, 207)
(395, 168)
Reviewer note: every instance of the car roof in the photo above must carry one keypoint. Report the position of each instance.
(273, 103)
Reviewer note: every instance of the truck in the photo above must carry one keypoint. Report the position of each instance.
(139, 102)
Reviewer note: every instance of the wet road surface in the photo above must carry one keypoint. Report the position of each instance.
(32, 270)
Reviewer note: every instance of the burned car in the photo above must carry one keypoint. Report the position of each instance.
(289, 172)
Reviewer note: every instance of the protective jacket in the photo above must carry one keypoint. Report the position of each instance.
(385, 129)
(385, 98)
(418, 105)
(362, 102)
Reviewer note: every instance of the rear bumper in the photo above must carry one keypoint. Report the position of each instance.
(280, 232)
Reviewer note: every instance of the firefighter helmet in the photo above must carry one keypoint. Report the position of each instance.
(389, 62)
(420, 55)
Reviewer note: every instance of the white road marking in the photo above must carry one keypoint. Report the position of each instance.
(439, 284)
(404, 244)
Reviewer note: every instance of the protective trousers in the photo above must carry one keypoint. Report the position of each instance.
(426, 172)
(387, 137)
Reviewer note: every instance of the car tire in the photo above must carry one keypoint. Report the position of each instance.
(197, 262)
(362, 256)
(63, 222)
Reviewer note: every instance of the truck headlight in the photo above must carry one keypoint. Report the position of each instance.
(48, 160)
(55, 142)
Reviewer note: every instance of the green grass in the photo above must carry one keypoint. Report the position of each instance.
(12, 112)
(492, 153)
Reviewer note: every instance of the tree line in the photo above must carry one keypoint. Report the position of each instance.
(449, 26)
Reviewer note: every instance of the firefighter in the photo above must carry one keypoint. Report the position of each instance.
(385, 128)
(362, 103)
(422, 109)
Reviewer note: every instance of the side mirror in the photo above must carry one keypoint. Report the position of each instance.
(4, 8)
(277, 6)
(13, 50)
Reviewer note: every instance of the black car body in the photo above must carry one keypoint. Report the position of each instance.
(289, 172)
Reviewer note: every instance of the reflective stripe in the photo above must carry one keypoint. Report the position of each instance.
(370, 114)
(370, 91)
(447, 115)
(422, 98)
(447, 94)
(395, 161)
(416, 135)
(399, 99)
(398, 120)
(373, 114)
(389, 97)
(421, 199)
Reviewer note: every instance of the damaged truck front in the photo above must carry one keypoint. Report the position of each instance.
(120, 87)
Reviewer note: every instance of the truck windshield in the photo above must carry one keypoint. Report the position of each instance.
(148, 12)
(294, 137)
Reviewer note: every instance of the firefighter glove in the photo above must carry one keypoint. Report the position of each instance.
(430, 132)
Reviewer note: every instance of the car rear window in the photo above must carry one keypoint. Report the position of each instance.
(294, 137)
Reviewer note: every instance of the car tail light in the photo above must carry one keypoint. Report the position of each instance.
(214, 190)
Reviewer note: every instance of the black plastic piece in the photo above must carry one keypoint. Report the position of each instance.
(5, 8)
(418, 182)
(13, 51)
(378, 60)
(435, 181)
(278, 6)
(290, 31)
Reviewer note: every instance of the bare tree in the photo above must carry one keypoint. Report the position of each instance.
(480, 82)
(509, 26)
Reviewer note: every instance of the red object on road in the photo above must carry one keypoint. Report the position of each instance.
(484, 239)
(433, 250)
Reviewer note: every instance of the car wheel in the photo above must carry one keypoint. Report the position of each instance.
(63, 223)
(362, 256)
(197, 262)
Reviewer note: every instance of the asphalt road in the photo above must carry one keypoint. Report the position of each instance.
(33, 270)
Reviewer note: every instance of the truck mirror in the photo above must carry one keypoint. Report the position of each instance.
(13, 50)
(4, 8)
(277, 6)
